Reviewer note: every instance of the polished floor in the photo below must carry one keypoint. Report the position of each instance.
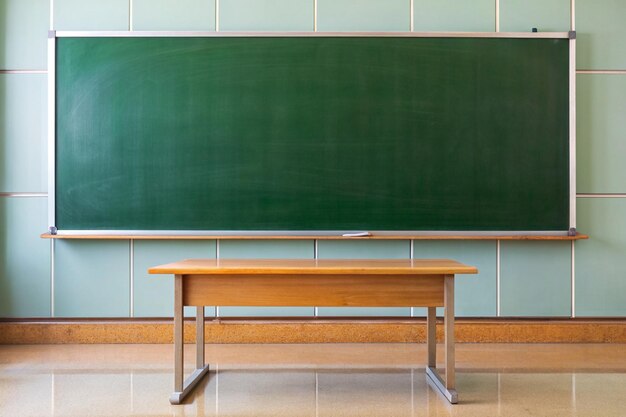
(313, 380)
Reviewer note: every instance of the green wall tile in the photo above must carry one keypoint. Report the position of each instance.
(601, 134)
(363, 15)
(260, 249)
(475, 295)
(23, 128)
(24, 32)
(454, 15)
(154, 294)
(364, 249)
(601, 260)
(91, 278)
(535, 278)
(266, 15)
(545, 15)
(91, 14)
(266, 249)
(601, 31)
(174, 15)
(24, 257)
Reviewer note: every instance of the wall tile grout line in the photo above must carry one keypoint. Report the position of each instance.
(315, 256)
(51, 5)
(217, 15)
(573, 283)
(411, 256)
(498, 286)
(131, 267)
(130, 15)
(611, 72)
(497, 23)
(24, 71)
(598, 195)
(52, 278)
(217, 256)
(23, 194)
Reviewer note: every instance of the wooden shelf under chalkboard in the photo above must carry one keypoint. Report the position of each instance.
(578, 236)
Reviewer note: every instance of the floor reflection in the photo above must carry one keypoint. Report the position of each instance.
(137, 381)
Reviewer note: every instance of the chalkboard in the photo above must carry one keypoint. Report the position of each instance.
(311, 133)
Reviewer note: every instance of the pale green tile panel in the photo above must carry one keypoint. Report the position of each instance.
(91, 278)
(266, 311)
(24, 258)
(535, 278)
(454, 15)
(174, 15)
(266, 15)
(601, 140)
(268, 249)
(601, 260)
(545, 15)
(601, 31)
(475, 295)
(23, 127)
(154, 294)
(363, 15)
(23, 34)
(364, 249)
(91, 14)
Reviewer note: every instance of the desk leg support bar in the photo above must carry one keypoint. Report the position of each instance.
(447, 385)
(182, 389)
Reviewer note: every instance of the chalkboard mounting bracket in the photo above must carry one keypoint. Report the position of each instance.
(52, 34)
(52, 230)
(572, 231)
(571, 34)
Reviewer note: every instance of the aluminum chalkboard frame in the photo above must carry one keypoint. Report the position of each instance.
(53, 35)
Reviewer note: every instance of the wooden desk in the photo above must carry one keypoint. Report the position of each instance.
(325, 283)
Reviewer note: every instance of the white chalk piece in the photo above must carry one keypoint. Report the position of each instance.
(361, 234)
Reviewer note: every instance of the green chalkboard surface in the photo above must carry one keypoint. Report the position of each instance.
(311, 133)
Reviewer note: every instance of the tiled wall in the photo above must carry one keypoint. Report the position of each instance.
(108, 278)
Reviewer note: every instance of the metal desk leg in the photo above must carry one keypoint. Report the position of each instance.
(179, 347)
(446, 387)
(200, 337)
(182, 389)
(431, 336)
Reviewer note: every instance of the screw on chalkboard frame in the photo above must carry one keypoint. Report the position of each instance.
(52, 230)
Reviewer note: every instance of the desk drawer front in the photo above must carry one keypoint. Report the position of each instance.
(314, 290)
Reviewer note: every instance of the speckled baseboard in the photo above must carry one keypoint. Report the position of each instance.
(313, 331)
